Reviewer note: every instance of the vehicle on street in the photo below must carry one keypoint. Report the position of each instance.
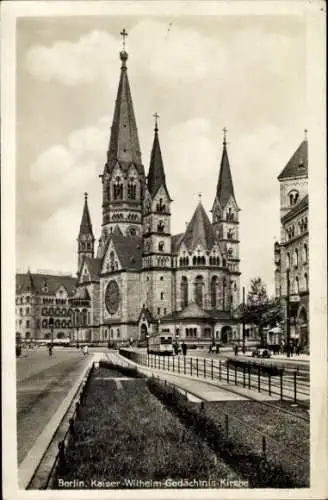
(160, 344)
(262, 352)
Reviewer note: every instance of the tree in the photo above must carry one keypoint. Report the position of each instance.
(261, 310)
(257, 295)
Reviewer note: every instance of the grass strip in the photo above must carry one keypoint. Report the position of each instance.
(126, 435)
(238, 449)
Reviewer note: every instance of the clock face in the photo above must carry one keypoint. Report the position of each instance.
(112, 297)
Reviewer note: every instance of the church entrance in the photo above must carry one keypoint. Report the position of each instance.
(226, 334)
(143, 331)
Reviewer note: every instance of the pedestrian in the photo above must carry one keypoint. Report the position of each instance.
(184, 349)
(50, 350)
(236, 350)
(217, 348)
(85, 350)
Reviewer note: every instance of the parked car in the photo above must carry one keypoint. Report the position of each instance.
(262, 352)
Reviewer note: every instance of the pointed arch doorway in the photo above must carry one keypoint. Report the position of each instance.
(226, 334)
(143, 331)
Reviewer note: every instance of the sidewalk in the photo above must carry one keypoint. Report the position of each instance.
(203, 388)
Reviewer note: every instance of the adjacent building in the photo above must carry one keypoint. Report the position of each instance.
(291, 254)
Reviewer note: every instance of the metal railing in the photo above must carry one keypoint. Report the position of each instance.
(286, 385)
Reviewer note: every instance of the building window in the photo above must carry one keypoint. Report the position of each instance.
(158, 311)
(164, 311)
(288, 260)
(184, 292)
(161, 278)
(27, 299)
(306, 281)
(27, 310)
(118, 189)
(295, 258)
(44, 323)
(118, 333)
(132, 190)
(161, 246)
(305, 253)
(214, 283)
(199, 291)
(27, 324)
(293, 197)
(296, 285)
(162, 295)
(160, 226)
(160, 207)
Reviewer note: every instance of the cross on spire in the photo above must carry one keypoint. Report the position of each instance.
(156, 116)
(124, 34)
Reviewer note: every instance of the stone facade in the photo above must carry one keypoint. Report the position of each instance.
(291, 254)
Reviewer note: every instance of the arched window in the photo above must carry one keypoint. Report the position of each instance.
(132, 189)
(57, 323)
(64, 323)
(203, 261)
(161, 246)
(295, 258)
(218, 261)
(184, 292)
(118, 189)
(305, 253)
(44, 323)
(187, 261)
(293, 197)
(306, 281)
(194, 260)
(296, 285)
(118, 333)
(84, 317)
(199, 290)
(77, 317)
(211, 261)
(198, 260)
(160, 226)
(214, 283)
(230, 234)
(288, 260)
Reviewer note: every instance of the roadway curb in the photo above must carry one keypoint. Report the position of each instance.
(30, 463)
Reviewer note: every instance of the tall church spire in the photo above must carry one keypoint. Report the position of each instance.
(124, 144)
(156, 175)
(86, 238)
(225, 186)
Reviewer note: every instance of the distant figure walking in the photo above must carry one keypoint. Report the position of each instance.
(184, 349)
(85, 350)
(50, 350)
(236, 350)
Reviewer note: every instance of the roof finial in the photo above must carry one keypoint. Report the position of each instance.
(225, 130)
(123, 53)
(200, 197)
(85, 196)
(156, 116)
(305, 134)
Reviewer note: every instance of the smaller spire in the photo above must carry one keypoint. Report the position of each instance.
(156, 116)
(86, 226)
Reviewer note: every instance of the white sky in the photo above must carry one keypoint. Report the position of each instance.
(204, 73)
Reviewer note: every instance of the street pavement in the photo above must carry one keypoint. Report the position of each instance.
(42, 384)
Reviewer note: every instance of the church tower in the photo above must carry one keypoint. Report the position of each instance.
(123, 178)
(225, 219)
(157, 255)
(85, 239)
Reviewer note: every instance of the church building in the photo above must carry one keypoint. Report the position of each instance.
(142, 279)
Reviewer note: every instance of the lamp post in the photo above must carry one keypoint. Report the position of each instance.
(224, 287)
(287, 316)
(244, 331)
(147, 339)
(51, 324)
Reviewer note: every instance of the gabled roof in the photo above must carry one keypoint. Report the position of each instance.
(145, 311)
(124, 144)
(199, 231)
(81, 294)
(94, 266)
(156, 175)
(175, 242)
(297, 166)
(303, 204)
(128, 249)
(53, 283)
(224, 190)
